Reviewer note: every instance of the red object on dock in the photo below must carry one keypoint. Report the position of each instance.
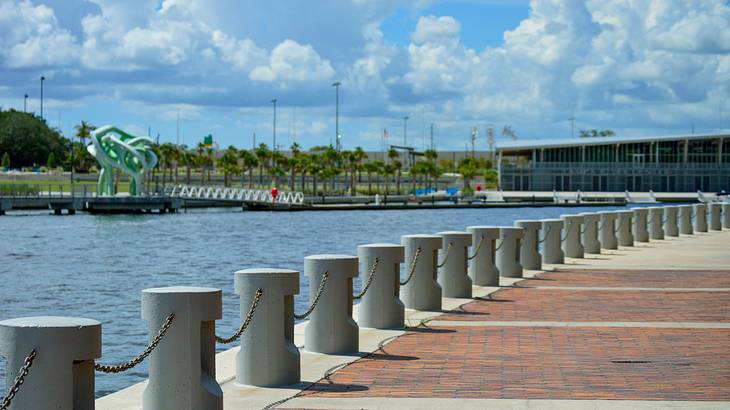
(274, 193)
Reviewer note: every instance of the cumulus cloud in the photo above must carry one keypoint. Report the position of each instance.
(291, 61)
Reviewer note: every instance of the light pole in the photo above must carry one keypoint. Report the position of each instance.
(337, 113)
(25, 103)
(42, 80)
(274, 103)
(405, 131)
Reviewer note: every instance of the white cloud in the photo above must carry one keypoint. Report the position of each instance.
(291, 61)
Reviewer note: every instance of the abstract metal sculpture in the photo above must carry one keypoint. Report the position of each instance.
(114, 148)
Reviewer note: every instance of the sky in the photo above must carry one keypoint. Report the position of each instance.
(546, 68)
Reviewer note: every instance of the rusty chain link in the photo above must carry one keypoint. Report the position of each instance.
(544, 236)
(139, 359)
(369, 281)
(246, 322)
(19, 380)
(446, 258)
(316, 298)
(413, 266)
(479, 246)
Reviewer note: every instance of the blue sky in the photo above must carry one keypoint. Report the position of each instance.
(639, 67)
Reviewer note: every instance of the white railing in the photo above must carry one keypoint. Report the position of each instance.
(234, 194)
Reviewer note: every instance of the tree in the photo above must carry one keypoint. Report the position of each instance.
(468, 170)
(595, 133)
(51, 163)
(28, 140)
(6, 160)
(83, 131)
(249, 163)
(371, 168)
(228, 162)
(263, 155)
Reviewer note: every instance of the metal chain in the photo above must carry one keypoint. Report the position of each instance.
(19, 380)
(246, 322)
(602, 224)
(567, 231)
(369, 281)
(479, 246)
(545, 236)
(501, 242)
(316, 298)
(446, 258)
(618, 227)
(413, 266)
(139, 359)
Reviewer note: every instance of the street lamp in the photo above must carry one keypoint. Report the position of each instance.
(274, 103)
(42, 80)
(337, 84)
(405, 131)
(25, 103)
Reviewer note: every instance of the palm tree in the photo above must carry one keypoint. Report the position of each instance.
(397, 165)
(294, 163)
(468, 170)
(379, 170)
(228, 162)
(370, 168)
(263, 154)
(188, 159)
(83, 131)
(314, 167)
(249, 163)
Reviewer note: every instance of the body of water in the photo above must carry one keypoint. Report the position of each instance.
(96, 266)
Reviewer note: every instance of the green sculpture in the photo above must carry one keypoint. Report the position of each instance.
(114, 148)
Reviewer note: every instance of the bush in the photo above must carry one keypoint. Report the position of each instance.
(28, 140)
(6, 161)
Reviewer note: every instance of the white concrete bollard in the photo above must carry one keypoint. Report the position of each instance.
(61, 375)
(670, 221)
(453, 276)
(656, 223)
(641, 232)
(331, 328)
(623, 230)
(726, 216)
(268, 355)
(685, 220)
(482, 268)
(700, 213)
(572, 246)
(607, 230)
(715, 213)
(182, 367)
(422, 291)
(508, 253)
(530, 257)
(589, 235)
(381, 307)
(552, 250)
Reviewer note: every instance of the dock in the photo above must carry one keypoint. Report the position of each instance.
(642, 327)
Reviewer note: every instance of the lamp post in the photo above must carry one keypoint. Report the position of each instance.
(405, 131)
(337, 113)
(42, 80)
(25, 103)
(274, 103)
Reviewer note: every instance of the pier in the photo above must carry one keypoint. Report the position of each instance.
(641, 321)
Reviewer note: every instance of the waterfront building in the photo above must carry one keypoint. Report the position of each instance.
(680, 163)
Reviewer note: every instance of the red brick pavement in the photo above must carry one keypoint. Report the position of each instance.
(633, 278)
(592, 305)
(542, 363)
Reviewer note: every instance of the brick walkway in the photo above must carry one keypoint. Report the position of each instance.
(560, 362)
(629, 278)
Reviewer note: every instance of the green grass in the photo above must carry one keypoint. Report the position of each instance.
(34, 185)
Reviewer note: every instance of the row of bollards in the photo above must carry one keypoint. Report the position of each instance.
(53, 357)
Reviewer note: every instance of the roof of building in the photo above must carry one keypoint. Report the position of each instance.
(573, 142)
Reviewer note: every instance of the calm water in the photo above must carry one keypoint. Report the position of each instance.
(96, 266)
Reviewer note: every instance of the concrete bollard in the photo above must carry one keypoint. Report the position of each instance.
(453, 275)
(530, 257)
(715, 213)
(268, 355)
(482, 268)
(656, 223)
(589, 235)
(685, 220)
(572, 246)
(607, 230)
(62, 373)
(381, 307)
(331, 328)
(182, 367)
(623, 230)
(422, 291)
(700, 212)
(726, 216)
(641, 233)
(670, 222)
(508, 253)
(552, 251)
